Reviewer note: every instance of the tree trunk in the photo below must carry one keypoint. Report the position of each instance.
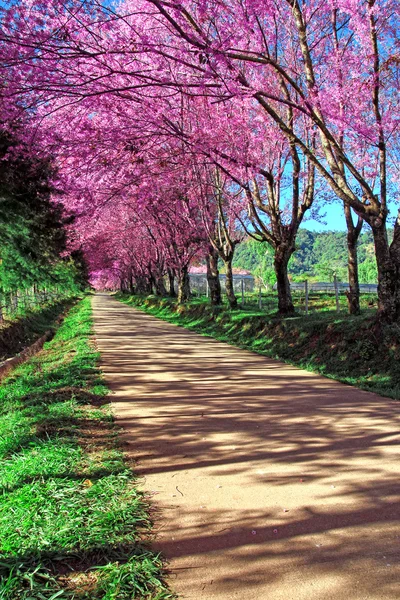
(214, 284)
(14, 300)
(183, 285)
(171, 284)
(353, 233)
(285, 302)
(353, 295)
(160, 288)
(152, 284)
(143, 285)
(230, 294)
(388, 264)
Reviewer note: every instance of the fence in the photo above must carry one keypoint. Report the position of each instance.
(18, 302)
(199, 284)
(307, 297)
(329, 288)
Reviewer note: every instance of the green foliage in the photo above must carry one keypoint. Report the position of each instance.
(318, 256)
(71, 517)
(247, 255)
(368, 272)
(32, 235)
(264, 269)
(326, 271)
(258, 258)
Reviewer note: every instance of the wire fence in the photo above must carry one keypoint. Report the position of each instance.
(199, 284)
(308, 297)
(19, 302)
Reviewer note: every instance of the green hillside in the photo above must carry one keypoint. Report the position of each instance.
(319, 255)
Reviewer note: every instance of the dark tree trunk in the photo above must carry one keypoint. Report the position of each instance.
(183, 285)
(143, 285)
(230, 294)
(214, 284)
(285, 302)
(353, 233)
(353, 295)
(131, 286)
(171, 284)
(160, 288)
(388, 264)
(152, 284)
(139, 285)
(148, 286)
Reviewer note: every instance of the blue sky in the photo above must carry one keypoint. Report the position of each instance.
(333, 221)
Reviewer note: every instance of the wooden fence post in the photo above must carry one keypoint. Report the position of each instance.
(306, 294)
(207, 289)
(335, 283)
(242, 282)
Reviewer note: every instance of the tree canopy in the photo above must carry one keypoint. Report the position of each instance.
(176, 127)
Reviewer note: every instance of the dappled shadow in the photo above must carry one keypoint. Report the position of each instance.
(61, 561)
(268, 478)
(64, 394)
(45, 425)
(79, 476)
(80, 574)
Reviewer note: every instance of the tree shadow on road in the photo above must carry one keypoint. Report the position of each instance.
(192, 404)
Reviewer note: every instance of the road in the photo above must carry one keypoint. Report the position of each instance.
(268, 482)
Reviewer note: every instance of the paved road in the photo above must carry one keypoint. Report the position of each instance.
(271, 483)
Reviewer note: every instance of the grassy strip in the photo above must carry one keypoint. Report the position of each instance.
(317, 302)
(72, 523)
(355, 350)
(24, 331)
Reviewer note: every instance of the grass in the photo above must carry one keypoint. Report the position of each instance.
(17, 334)
(357, 350)
(317, 302)
(72, 522)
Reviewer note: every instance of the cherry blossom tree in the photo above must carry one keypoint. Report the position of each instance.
(321, 74)
(335, 62)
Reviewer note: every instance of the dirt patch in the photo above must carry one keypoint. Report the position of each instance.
(80, 582)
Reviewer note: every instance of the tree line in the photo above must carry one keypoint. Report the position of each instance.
(33, 257)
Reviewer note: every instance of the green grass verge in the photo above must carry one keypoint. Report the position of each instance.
(357, 350)
(317, 302)
(26, 329)
(72, 522)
